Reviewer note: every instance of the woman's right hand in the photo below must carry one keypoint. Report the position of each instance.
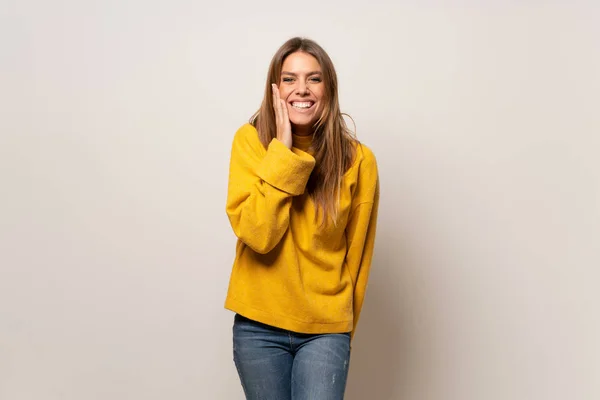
(284, 127)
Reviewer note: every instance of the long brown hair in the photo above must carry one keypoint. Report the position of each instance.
(334, 145)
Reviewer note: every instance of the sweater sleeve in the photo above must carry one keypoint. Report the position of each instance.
(360, 231)
(261, 187)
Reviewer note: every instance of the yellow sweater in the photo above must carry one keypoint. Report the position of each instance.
(288, 272)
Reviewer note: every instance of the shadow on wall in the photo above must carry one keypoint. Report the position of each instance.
(384, 363)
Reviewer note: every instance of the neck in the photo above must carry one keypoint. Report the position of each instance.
(302, 131)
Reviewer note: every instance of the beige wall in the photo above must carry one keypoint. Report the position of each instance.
(116, 120)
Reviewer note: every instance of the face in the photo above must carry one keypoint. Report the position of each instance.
(302, 88)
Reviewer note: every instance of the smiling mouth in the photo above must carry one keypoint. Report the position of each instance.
(302, 105)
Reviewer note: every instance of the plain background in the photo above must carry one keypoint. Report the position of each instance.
(116, 121)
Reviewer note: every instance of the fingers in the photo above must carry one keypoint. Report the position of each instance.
(282, 119)
(275, 97)
(284, 109)
(280, 109)
(276, 104)
(279, 105)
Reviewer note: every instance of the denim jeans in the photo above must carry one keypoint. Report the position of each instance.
(276, 364)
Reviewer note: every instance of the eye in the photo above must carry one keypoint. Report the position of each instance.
(315, 79)
(287, 79)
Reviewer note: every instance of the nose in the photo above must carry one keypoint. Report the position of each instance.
(302, 89)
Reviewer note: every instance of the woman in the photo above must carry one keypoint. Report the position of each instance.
(302, 199)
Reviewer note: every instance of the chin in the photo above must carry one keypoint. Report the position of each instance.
(303, 120)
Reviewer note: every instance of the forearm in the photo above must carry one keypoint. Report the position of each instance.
(260, 196)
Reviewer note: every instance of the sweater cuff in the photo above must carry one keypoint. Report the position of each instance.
(284, 169)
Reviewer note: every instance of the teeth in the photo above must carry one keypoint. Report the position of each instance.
(302, 105)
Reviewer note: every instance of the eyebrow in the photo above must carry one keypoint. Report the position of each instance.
(294, 74)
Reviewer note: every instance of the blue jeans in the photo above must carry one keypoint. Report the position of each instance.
(276, 364)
